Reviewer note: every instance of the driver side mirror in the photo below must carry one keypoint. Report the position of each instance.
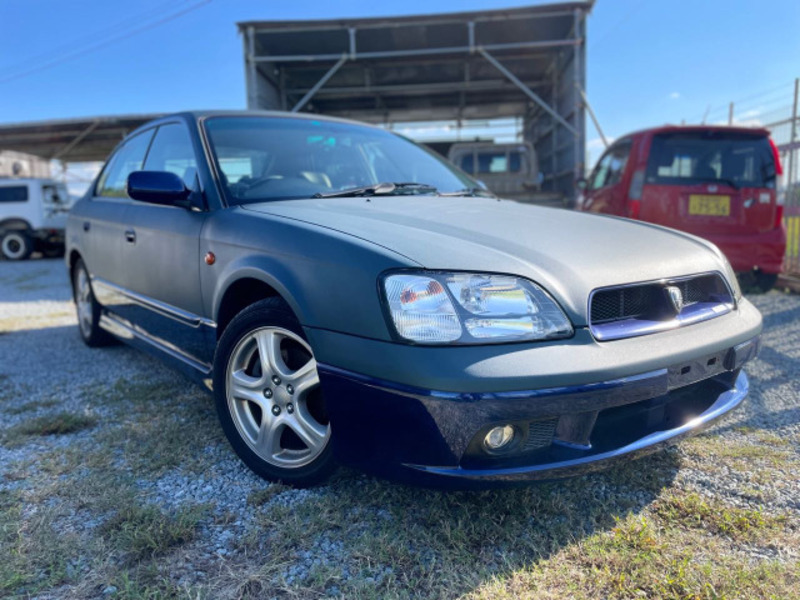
(158, 187)
(582, 183)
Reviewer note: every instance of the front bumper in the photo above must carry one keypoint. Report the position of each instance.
(431, 438)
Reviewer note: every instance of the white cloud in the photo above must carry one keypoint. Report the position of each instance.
(674, 95)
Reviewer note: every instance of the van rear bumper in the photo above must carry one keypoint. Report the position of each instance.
(748, 251)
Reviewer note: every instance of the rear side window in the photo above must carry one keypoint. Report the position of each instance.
(113, 182)
(729, 158)
(468, 163)
(14, 193)
(172, 151)
(492, 162)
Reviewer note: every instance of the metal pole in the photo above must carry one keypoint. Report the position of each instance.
(730, 114)
(252, 95)
(792, 151)
(331, 72)
(526, 90)
(594, 118)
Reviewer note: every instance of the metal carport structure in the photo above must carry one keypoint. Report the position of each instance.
(70, 140)
(525, 62)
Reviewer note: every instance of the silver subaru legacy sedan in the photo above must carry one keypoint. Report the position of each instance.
(350, 297)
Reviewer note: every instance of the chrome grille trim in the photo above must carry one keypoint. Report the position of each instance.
(635, 309)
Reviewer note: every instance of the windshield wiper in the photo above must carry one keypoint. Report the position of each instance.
(470, 191)
(380, 189)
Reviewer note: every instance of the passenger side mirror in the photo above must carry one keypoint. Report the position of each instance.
(581, 183)
(158, 187)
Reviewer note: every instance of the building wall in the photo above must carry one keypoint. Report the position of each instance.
(17, 164)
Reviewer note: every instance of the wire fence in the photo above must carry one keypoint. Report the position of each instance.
(784, 125)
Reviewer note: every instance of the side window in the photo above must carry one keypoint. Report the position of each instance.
(601, 171)
(14, 193)
(172, 151)
(616, 166)
(468, 163)
(113, 182)
(515, 162)
(494, 162)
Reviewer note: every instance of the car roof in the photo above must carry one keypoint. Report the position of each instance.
(698, 129)
(197, 115)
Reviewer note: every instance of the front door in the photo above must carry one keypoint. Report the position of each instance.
(161, 258)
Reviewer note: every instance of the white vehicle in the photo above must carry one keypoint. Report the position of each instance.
(33, 215)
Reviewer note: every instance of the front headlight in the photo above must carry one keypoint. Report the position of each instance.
(471, 308)
(733, 281)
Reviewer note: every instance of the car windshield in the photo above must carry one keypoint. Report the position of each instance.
(280, 158)
(729, 158)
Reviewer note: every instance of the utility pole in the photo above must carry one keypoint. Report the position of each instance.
(792, 151)
(730, 114)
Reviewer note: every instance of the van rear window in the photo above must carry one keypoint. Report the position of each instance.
(736, 159)
(13, 193)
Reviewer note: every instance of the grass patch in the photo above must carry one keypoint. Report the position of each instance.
(692, 511)
(56, 424)
(262, 496)
(145, 532)
(31, 406)
(34, 555)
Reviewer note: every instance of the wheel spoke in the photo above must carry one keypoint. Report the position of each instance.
(305, 378)
(269, 349)
(246, 387)
(312, 434)
(269, 435)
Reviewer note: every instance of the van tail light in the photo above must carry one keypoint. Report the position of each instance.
(635, 194)
(776, 157)
(778, 215)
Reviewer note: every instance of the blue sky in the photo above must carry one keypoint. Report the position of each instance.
(648, 62)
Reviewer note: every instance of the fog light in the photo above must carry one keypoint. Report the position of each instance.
(499, 437)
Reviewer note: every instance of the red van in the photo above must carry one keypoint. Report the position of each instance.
(713, 181)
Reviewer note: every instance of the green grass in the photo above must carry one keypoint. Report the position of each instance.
(31, 406)
(143, 532)
(55, 424)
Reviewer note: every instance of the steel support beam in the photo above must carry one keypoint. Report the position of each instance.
(78, 139)
(526, 90)
(310, 94)
(548, 44)
(594, 118)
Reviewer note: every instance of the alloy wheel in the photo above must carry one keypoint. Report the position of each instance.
(273, 394)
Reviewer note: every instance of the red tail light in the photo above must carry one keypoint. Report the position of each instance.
(776, 157)
(778, 215)
(634, 207)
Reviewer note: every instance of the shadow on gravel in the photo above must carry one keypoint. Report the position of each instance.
(445, 544)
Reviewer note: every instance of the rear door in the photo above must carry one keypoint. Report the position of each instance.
(161, 255)
(710, 182)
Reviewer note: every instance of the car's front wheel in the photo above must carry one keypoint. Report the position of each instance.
(268, 396)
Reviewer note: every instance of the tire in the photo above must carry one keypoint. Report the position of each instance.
(271, 407)
(16, 244)
(88, 309)
(765, 281)
(53, 251)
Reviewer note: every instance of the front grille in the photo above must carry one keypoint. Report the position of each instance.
(650, 301)
(540, 434)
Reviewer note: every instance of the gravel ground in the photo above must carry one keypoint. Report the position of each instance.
(150, 441)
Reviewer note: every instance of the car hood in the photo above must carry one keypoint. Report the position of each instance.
(569, 253)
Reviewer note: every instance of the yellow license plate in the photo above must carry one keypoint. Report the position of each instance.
(716, 206)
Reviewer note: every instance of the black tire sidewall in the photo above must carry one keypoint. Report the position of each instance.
(271, 312)
(97, 336)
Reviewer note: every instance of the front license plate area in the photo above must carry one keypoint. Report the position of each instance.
(714, 206)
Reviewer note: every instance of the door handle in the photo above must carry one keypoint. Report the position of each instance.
(87, 225)
(130, 236)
